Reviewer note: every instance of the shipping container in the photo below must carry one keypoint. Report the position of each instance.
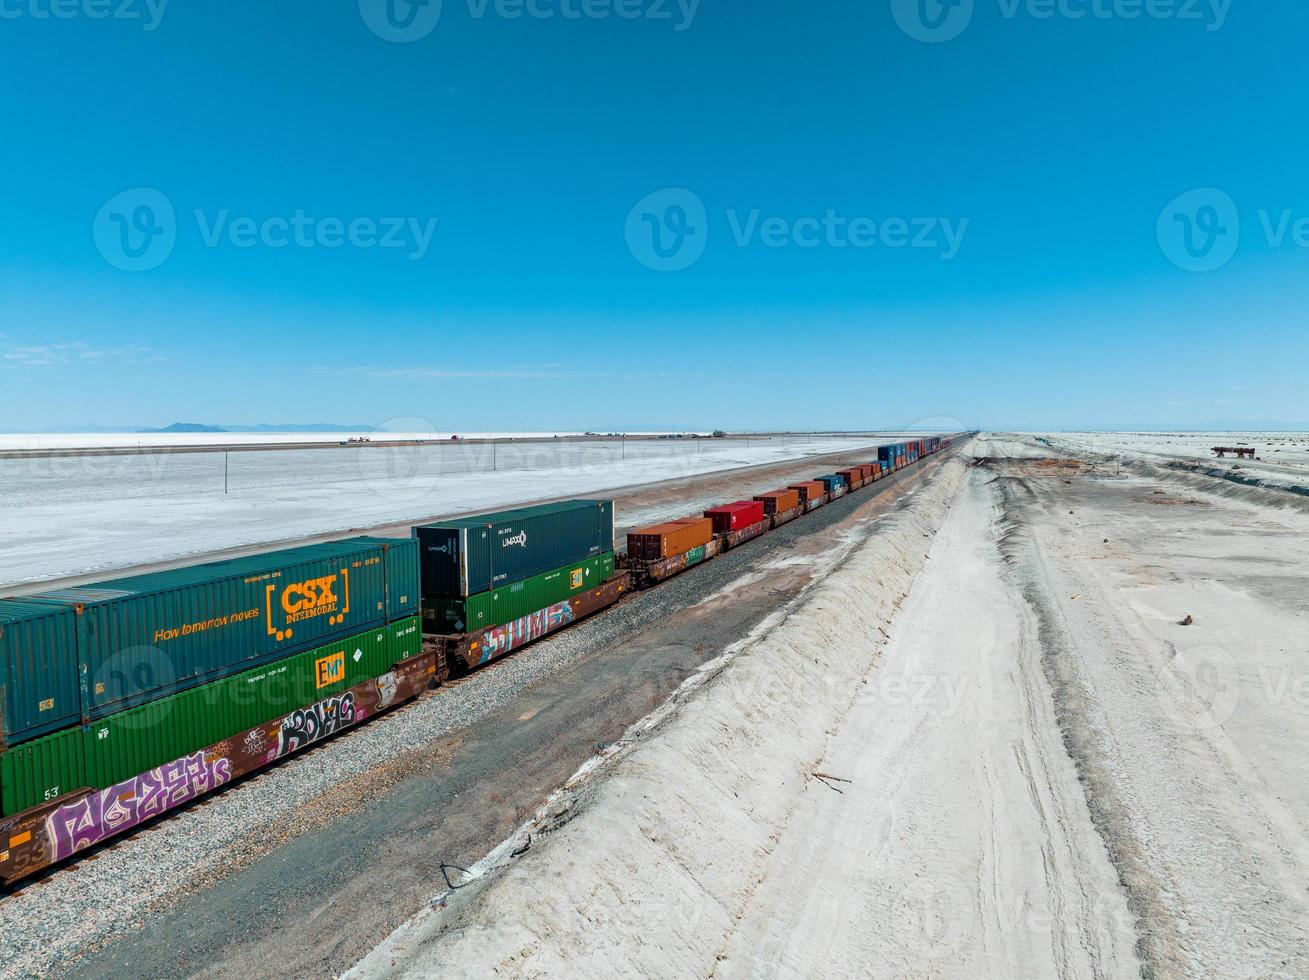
(810, 489)
(452, 615)
(148, 636)
(890, 453)
(670, 539)
(832, 482)
(735, 516)
(38, 668)
(854, 476)
(135, 741)
(477, 554)
(779, 501)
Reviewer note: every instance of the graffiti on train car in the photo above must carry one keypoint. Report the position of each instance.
(306, 725)
(99, 815)
(500, 640)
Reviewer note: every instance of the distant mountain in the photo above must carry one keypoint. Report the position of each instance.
(187, 427)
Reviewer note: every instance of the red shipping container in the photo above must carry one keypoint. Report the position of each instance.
(779, 501)
(734, 516)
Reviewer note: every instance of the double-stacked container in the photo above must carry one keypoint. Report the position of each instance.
(736, 516)
(490, 569)
(810, 491)
(779, 501)
(72, 656)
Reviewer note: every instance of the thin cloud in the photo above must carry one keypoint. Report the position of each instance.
(73, 352)
(540, 372)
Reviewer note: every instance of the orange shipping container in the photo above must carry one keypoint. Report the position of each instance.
(671, 539)
(779, 501)
(810, 490)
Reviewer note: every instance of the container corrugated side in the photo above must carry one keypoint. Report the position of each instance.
(402, 585)
(810, 489)
(42, 770)
(671, 539)
(779, 501)
(38, 668)
(149, 636)
(736, 515)
(476, 554)
(451, 615)
(131, 742)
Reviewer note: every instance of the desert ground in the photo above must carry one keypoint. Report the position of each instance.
(1046, 719)
(1033, 708)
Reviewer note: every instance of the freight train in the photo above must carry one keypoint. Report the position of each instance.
(129, 698)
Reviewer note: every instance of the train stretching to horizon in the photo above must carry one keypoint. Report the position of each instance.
(129, 698)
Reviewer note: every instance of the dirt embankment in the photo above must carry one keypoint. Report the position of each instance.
(652, 870)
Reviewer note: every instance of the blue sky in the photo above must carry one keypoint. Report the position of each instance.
(880, 224)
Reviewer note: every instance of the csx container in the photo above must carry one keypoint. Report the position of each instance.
(452, 615)
(779, 501)
(477, 554)
(38, 668)
(810, 489)
(148, 636)
(140, 739)
(735, 516)
(669, 540)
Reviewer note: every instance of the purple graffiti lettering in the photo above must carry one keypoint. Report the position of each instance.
(96, 816)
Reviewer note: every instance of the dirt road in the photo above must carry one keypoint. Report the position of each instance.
(1187, 739)
(962, 844)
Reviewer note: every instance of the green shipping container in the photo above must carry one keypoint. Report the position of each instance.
(149, 636)
(131, 742)
(449, 615)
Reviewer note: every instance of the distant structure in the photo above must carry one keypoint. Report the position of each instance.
(1240, 452)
